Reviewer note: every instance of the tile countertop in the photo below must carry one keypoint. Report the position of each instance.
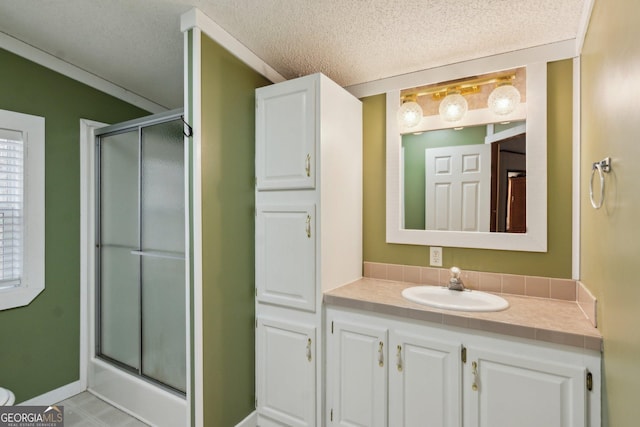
(554, 321)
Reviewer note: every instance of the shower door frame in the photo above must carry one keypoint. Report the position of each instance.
(141, 396)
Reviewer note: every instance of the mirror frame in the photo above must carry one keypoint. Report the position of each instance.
(535, 239)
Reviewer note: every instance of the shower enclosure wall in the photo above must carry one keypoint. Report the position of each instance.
(140, 285)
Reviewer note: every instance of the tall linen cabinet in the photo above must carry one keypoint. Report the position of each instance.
(308, 236)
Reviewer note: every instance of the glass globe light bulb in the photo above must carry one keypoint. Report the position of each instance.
(504, 99)
(453, 107)
(409, 114)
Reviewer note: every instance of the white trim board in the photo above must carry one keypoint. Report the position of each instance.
(187, 212)
(56, 64)
(583, 25)
(55, 396)
(195, 18)
(87, 193)
(197, 416)
(250, 421)
(545, 53)
(575, 222)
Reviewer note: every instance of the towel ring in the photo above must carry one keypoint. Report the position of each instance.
(602, 167)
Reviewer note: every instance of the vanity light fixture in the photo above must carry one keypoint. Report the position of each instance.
(410, 112)
(504, 98)
(451, 96)
(453, 107)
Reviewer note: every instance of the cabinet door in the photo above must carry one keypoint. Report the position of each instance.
(285, 256)
(286, 372)
(357, 370)
(506, 390)
(425, 379)
(285, 135)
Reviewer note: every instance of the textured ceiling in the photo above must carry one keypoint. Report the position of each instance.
(137, 44)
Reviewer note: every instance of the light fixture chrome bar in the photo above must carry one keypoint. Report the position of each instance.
(465, 86)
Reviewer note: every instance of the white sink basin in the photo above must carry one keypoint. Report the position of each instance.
(467, 300)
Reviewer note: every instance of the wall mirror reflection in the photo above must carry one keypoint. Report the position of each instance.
(466, 161)
(470, 179)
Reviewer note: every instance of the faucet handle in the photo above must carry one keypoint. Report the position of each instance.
(455, 283)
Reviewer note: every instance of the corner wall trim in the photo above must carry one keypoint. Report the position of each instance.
(195, 18)
(250, 421)
(576, 184)
(583, 25)
(56, 64)
(55, 396)
(193, 110)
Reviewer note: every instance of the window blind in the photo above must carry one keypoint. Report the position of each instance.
(11, 207)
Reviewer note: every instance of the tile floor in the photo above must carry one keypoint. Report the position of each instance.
(86, 410)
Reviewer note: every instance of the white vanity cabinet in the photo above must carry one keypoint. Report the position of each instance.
(446, 376)
(286, 359)
(357, 351)
(510, 385)
(423, 373)
(286, 135)
(285, 255)
(308, 236)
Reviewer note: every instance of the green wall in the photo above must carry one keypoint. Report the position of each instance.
(228, 111)
(554, 263)
(40, 343)
(610, 246)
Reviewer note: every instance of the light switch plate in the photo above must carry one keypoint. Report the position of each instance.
(435, 256)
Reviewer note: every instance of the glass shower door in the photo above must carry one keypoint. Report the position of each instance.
(163, 255)
(119, 302)
(141, 252)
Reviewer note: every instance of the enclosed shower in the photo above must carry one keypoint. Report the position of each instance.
(140, 285)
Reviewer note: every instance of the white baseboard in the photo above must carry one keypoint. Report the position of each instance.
(55, 396)
(70, 390)
(250, 421)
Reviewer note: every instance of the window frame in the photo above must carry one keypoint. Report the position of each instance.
(32, 281)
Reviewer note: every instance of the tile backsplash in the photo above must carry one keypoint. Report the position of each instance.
(531, 286)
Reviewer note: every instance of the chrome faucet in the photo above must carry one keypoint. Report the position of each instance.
(455, 283)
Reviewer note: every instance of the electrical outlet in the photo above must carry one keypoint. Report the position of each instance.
(435, 256)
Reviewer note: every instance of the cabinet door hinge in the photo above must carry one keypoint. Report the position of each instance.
(589, 381)
(332, 327)
(256, 323)
(463, 354)
(331, 416)
(256, 403)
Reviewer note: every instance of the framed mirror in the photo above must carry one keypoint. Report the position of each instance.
(479, 182)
